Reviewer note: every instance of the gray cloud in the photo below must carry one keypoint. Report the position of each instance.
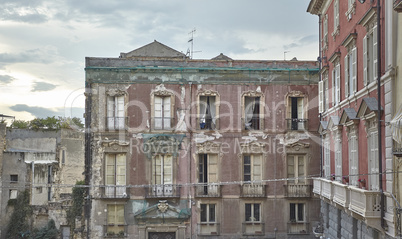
(43, 86)
(5, 79)
(301, 42)
(41, 112)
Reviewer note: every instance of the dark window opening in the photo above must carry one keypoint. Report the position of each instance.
(14, 178)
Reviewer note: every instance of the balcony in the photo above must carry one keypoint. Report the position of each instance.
(297, 191)
(297, 124)
(352, 199)
(115, 231)
(298, 227)
(115, 191)
(162, 191)
(253, 228)
(252, 190)
(210, 190)
(208, 228)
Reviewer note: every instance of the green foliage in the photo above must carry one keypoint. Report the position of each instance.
(78, 201)
(49, 123)
(20, 124)
(18, 225)
(47, 232)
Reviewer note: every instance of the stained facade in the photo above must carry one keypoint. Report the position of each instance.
(186, 148)
(357, 105)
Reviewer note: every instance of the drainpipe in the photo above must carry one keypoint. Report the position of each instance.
(33, 181)
(88, 156)
(319, 79)
(379, 112)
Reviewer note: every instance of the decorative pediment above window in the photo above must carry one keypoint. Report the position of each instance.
(298, 147)
(162, 212)
(349, 117)
(116, 92)
(208, 93)
(335, 57)
(350, 41)
(369, 20)
(252, 148)
(323, 127)
(162, 144)
(115, 145)
(208, 148)
(368, 108)
(253, 93)
(333, 123)
(295, 94)
(160, 90)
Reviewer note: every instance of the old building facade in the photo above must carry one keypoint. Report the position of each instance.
(46, 163)
(184, 148)
(358, 192)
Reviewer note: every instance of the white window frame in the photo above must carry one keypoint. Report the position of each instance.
(373, 159)
(370, 56)
(325, 32)
(350, 66)
(115, 112)
(353, 158)
(162, 112)
(321, 96)
(338, 155)
(255, 167)
(336, 17)
(115, 174)
(336, 87)
(298, 171)
(327, 157)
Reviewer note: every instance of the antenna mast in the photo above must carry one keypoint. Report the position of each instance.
(192, 42)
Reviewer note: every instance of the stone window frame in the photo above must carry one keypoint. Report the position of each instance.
(253, 93)
(217, 106)
(115, 93)
(298, 148)
(297, 94)
(336, 19)
(353, 134)
(252, 202)
(161, 91)
(351, 9)
(113, 224)
(350, 69)
(305, 210)
(252, 148)
(369, 21)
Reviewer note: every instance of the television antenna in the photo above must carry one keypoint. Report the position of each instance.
(191, 52)
(284, 55)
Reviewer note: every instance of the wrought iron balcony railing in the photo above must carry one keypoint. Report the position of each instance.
(162, 191)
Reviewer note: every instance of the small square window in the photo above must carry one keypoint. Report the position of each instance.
(14, 178)
(13, 193)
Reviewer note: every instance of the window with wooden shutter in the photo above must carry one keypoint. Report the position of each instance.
(296, 170)
(373, 161)
(115, 112)
(320, 96)
(338, 83)
(353, 56)
(365, 59)
(115, 175)
(353, 160)
(115, 219)
(375, 53)
(162, 112)
(252, 167)
(346, 67)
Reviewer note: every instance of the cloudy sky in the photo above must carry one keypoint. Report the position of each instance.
(43, 43)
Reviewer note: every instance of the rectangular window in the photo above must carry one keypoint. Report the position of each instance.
(296, 212)
(297, 119)
(162, 112)
(115, 219)
(350, 64)
(207, 172)
(325, 32)
(252, 113)
(252, 212)
(321, 96)
(208, 213)
(63, 156)
(14, 178)
(115, 175)
(353, 160)
(207, 117)
(373, 160)
(13, 193)
(336, 88)
(252, 166)
(115, 112)
(327, 159)
(338, 156)
(326, 93)
(370, 57)
(336, 15)
(296, 169)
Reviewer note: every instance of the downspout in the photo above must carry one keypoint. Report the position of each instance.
(88, 156)
(190, 161)
(379, 55)
(319, 79)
